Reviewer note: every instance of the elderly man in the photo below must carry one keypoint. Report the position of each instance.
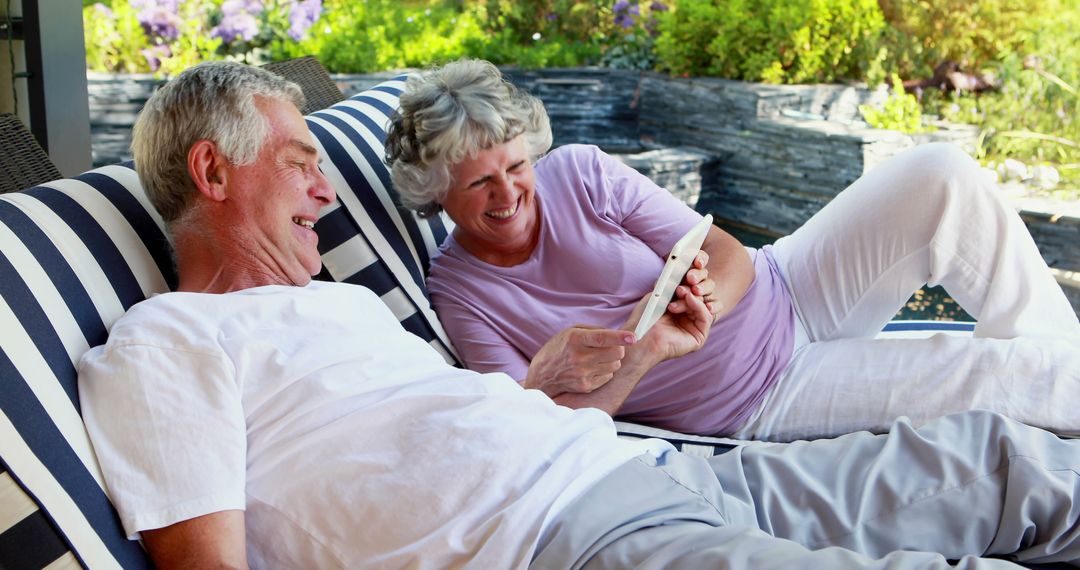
(278, 422)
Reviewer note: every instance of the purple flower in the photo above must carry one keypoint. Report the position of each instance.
(159, 22)
(625, 12)
(658, 7)
(241, 25)
(238, 20)
(103, 10)
(302, 16)
(146, 6)
(552, 16)
(236, 7)
(154, 55)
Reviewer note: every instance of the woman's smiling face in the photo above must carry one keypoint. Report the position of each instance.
(492, 201)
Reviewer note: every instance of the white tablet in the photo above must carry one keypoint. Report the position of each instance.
(678, 263)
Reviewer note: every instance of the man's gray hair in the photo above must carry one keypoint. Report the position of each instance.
(450, 113)
(212, 101)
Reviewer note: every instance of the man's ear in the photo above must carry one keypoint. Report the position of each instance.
(207, 168)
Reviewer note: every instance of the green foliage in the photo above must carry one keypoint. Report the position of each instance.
(386, 34)
(685, 35)
(629, 41)
(576, 21)
(1032, 47)
(1035, 115)
(900, 112)
(776, 41)
(154, 38)
(194, 43)
(540, 33)
(922, 34)
(353, 36)
(359, 37)
(114, 39)
(630, 51)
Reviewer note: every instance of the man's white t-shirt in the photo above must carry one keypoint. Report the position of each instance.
(348, 441)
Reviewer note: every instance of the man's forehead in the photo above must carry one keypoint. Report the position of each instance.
(304, 146)
(287, 123)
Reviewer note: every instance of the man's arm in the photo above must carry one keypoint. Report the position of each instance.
(213, 541)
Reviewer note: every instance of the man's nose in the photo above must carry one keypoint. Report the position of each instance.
(322, 190)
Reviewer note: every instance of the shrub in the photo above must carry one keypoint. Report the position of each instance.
(1034, 116)
(167, 36)
(114, 39)
(630, 42)
(145, 36)
(539, 33)
(360, 37)
(900, 112)
(923, 34)
(776, 41)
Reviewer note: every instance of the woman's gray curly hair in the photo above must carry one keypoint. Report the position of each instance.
(450, 113)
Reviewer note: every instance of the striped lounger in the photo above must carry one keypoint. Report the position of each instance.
(75, 254)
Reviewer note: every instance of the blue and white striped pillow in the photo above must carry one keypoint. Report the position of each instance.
(27, 537)
(74, 255)
(366, 238)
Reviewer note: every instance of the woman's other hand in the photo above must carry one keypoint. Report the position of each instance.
(578, 360)
(675, 334)
(698, 283)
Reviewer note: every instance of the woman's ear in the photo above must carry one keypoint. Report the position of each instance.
(207, 168)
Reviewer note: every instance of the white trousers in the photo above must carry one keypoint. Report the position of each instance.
(927, 216)
(967, 485)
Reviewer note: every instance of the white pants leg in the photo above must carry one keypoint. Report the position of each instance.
(967, 485)
(928, 216)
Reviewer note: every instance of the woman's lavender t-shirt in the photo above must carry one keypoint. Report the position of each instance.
(605, 230)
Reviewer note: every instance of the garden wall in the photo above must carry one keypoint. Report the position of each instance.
(764, 157)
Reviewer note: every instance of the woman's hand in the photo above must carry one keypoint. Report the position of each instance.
(675, 334)
(697, 282)
(579, 360)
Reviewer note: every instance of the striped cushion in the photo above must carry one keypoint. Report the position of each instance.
(699, 445)
(366, 238)
(74, 255)
(924, 329)
(27, 537)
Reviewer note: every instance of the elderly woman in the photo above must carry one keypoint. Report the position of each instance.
(542, 245)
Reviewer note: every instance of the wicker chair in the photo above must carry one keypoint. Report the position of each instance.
(319, 90)
(23, 163)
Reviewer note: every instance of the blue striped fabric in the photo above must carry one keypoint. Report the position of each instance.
(74, 255)
(699, 445)
(929, 326)
(367, 238)
(28, 539)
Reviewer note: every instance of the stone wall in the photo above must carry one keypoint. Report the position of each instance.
(763, 157)
(115, 101)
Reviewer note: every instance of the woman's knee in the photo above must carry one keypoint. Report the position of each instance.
(947, 172)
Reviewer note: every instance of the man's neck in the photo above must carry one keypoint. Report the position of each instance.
(206, 267)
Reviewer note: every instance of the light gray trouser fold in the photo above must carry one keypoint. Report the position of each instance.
(973, 483)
